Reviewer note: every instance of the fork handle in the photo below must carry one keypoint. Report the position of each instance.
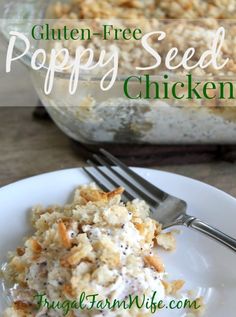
(212, 232)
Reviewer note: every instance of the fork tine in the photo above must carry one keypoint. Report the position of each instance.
(95, 179)
(144, 196)
(156, 192)
(127, 194)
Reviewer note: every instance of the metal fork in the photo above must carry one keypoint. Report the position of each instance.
(166, 209)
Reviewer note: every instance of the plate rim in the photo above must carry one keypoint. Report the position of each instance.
(80, 169)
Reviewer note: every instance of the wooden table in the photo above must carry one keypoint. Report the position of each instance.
(29, 147)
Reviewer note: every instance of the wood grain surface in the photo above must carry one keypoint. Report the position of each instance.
(30, 147)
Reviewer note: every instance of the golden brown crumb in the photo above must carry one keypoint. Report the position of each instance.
(98, 195)
(65, 239)
(115, 192)
(140, 227)
(155, 262)
(173, 287)
(20, 251)
(18, 265)
(68, 290)
(158, 229)
(36, 247)
(176, 286)
(166, 241)
(22, 306)
(76, 255)
(167, 286)
(199, 311)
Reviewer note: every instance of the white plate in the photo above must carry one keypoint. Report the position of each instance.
(207, 267)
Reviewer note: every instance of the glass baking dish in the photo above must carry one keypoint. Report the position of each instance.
(93, 116)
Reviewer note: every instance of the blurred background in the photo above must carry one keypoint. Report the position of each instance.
(31, 143)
